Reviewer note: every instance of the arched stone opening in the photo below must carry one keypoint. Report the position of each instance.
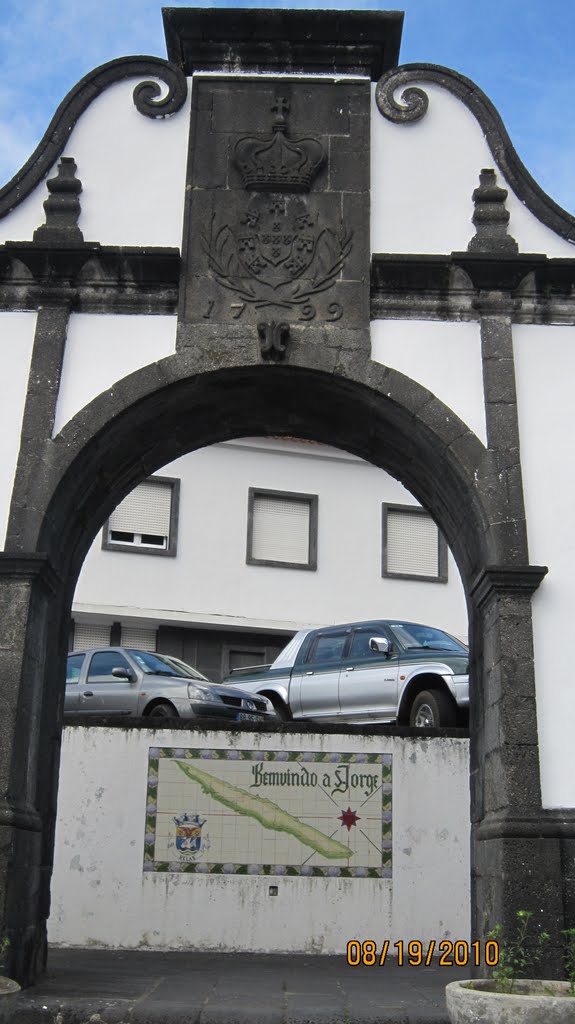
(180, 404)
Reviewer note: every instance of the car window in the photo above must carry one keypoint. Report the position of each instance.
(360, 644)
(328, 648)
(153, 664)
(413, 636)
(101, 666)
(74, 668)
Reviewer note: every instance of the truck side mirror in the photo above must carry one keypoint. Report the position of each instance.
(379, 644)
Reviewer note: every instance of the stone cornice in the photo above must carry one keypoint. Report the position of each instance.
(95, 278)
(36, 566)
(506, 580)
(284, 41)
(461, 286)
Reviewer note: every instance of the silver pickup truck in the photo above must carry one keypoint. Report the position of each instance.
(367, 672)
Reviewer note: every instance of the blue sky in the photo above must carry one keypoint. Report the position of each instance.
(520, 52)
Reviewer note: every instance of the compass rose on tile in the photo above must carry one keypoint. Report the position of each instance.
(349, 818)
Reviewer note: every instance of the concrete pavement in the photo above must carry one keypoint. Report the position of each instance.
(84, 986)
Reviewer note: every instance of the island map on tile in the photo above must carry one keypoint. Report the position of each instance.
(268, 812)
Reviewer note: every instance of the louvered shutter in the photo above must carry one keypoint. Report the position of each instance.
(280, 529)
(146, 510)
(88, 634)
(135, 636)
(412, 544)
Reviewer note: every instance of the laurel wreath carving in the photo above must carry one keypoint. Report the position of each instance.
(330, 252)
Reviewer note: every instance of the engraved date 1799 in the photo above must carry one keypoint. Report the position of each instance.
(306, 312)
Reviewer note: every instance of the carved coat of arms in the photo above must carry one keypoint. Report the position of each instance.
(279, 253)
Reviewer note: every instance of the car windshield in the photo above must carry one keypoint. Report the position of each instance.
(151, 664)
(182, 668)
(414, 637)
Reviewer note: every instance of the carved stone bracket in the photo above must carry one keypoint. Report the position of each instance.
(274, 338)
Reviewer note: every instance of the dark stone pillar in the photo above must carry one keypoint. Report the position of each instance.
(31, 707)
(516, 847)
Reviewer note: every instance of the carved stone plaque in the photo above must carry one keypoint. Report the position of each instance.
(277, 207)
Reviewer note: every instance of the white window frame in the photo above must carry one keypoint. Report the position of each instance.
(139, 548)
(311, 500)
(441, 576)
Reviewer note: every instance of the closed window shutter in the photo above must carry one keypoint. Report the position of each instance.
(145, 511)
(90, 635)
(412, 544)
(280, 529)
(135, 636)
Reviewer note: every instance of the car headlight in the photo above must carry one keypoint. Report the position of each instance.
(201, 693)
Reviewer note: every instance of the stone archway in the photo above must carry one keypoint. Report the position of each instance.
(67, 487)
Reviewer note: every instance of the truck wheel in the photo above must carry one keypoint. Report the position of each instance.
(432, 709)
(281, 709)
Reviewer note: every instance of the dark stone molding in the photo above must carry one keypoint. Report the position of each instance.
(531, 288)
(506, 580)
(413, 106)
(76, 102)
(555, 823)
(289, 41)
(92, 278)
(30, 567)
(20, 816)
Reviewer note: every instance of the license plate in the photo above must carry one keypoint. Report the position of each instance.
(242, 716)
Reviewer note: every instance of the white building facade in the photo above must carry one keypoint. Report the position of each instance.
(346, 542)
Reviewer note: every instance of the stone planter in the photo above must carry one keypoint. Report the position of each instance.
(533, 1002)
(7, 986)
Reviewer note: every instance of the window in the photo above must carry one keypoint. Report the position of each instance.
(413, 547)
(328, 648)
(74, 668)
(282, 529)
(101, 666)
(90, 634)
(147, 520)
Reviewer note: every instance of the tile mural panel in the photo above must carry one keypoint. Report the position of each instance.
(270, 812)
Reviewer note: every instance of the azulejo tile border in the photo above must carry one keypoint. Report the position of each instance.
(289, 767)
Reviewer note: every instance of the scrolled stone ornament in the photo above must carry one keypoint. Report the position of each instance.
(414, 102)
(146, 94)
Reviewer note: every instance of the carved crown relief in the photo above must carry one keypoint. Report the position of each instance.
(279, 252)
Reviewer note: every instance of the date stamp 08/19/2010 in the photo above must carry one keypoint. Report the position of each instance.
(458, 953)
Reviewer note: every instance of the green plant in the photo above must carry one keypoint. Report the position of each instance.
(569, 934)
(516, 956)
(4, 946)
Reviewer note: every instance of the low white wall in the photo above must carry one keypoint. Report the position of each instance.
(103, 897)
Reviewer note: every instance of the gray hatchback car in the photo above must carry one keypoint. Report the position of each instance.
(125, 681)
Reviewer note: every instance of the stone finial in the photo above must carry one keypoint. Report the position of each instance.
(491, 217)
(62, 207)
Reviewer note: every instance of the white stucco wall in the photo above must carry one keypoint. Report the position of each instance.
(444, 357)
(16, 341)
(101, 896)
(209, 581)
(423, 177)
(103, 348)
(545, 370)
(132, 170)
